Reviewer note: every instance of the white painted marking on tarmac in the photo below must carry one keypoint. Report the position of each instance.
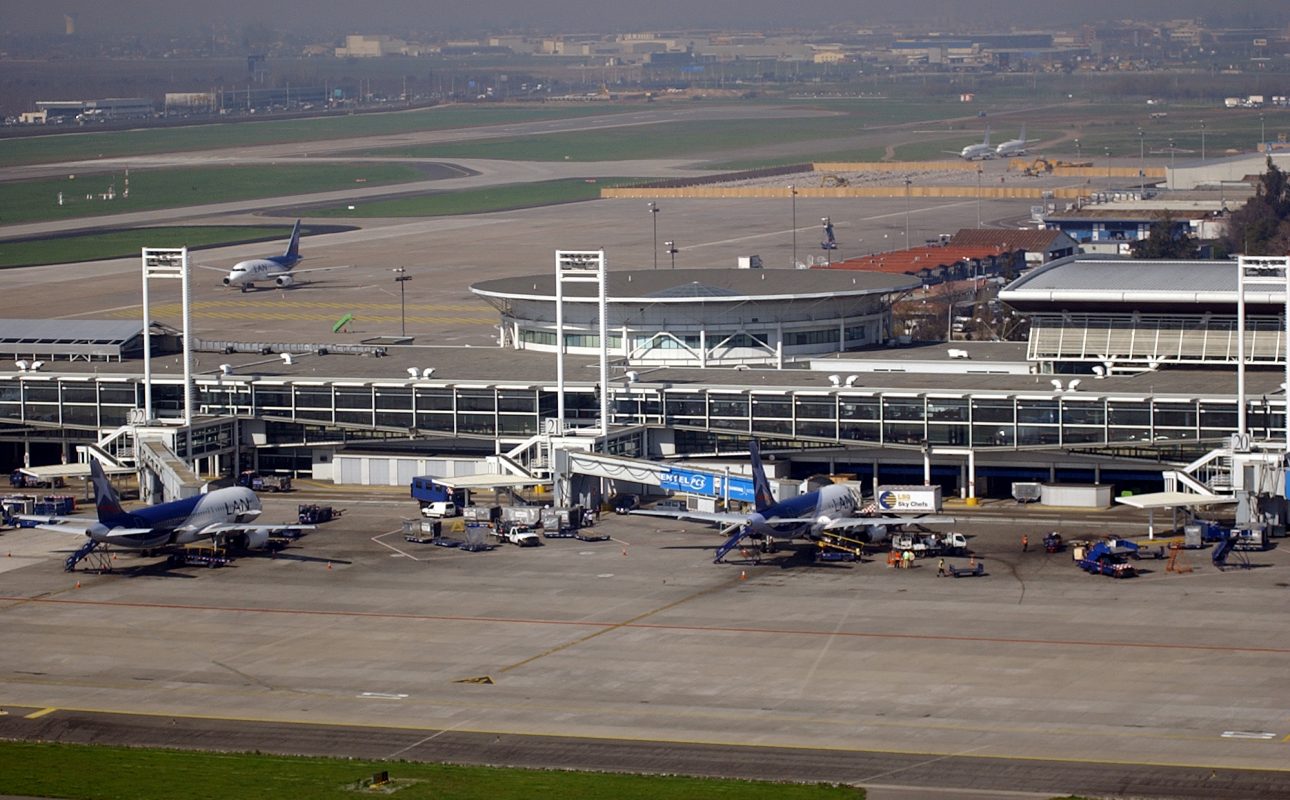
(377, 539)
(586, 552)
(1248, 735)
(605, 575)
(383, 696)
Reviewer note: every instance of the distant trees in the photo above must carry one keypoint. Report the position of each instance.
(1262, 226)
(1162, 243)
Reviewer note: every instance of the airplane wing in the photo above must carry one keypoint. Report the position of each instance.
(224, 270)
(79, 527)
(716, 518)
(244, 527)
(319, 269)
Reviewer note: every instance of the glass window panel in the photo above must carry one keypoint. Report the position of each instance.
(992, 411)
(815, 407)
(1121, 413)
(947, 410)
(993, 436)
(771, 408)
(1040, 412)
(1083, 413)
(903, 433)
(859, 408)
(903, 408)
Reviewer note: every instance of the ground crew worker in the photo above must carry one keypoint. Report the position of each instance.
(940, 569)
(1025, 542)
(972, 562)
(907, 559)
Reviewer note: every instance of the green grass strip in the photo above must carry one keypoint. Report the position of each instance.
(84, 144)
(83, 772)
(37, 200)
(506, 197)
(121, 244)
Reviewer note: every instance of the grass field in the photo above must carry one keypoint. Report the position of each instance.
(83, 145)
(81, 772)
(119, 244)
(34, 201)
(477, 201)
(796, 136)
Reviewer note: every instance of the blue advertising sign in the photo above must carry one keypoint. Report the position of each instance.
(706, 484)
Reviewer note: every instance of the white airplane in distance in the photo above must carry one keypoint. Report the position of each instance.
(1014, 147)
(279, 269)
(223, 515)
(831, 509)
(977, 152)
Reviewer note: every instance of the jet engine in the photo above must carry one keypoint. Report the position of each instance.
(250, 540)
(283, 281)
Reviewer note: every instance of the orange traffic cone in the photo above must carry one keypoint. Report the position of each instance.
(78, 584)
(328, 565)
(743, 574)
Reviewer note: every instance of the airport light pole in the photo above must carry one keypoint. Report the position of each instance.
(978, 196)
(908, 181)
(1263, 137)
(402, 278)
(1202, 140)
(1171, 153)
(1077, 153)
(653, 213)
(671, 251)
(1142, 165)
(792, 191)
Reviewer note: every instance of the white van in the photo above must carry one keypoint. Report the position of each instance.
(443, 508)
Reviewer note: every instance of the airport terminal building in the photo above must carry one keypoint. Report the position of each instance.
(1068, 405)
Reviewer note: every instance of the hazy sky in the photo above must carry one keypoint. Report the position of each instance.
(313, 16)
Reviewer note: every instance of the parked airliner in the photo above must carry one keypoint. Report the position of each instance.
(224, 515)
(978, 152)
(814, 515)
(1014, 147)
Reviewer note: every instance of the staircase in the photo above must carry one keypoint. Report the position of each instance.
(1209, 474)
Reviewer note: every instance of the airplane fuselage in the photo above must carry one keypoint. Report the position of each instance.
(977, 152)
(259, 270)
(823, 506)
(182, 521)
(1013, 147)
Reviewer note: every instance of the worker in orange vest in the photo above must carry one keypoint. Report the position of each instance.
(1025, 542)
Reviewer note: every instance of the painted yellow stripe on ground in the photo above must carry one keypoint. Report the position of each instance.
(38, 714)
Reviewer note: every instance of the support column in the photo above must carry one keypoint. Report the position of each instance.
(971, 468)
(927, 466)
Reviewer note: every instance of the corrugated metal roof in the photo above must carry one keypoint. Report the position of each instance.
(69, 331)
(1131, 275)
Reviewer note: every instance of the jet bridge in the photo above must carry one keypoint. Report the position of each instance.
(702, 483)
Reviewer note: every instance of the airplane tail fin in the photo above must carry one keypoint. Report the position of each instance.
(293, 249)
(761, 487)
(986, 141)
(1023, 133)
(106, 501)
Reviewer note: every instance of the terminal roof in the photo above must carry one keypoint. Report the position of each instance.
(1193, 286)
(690, 285)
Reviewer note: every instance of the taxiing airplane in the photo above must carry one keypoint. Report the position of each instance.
(279, 269)
(831, 509)
(1014, 147)
(223, 515)
(978, 152)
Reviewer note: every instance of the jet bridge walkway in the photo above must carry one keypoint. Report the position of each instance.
(176, 480)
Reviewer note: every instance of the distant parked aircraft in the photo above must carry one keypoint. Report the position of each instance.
(1014, 147)
(977, 152)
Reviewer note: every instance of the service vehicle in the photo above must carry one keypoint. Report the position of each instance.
(520, 535)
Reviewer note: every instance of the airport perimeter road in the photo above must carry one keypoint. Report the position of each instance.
(639, 653)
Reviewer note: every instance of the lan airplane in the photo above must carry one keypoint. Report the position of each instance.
(279, 269)
(223, 514)
(814, 515)
(1014, 147)
(978, 152)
